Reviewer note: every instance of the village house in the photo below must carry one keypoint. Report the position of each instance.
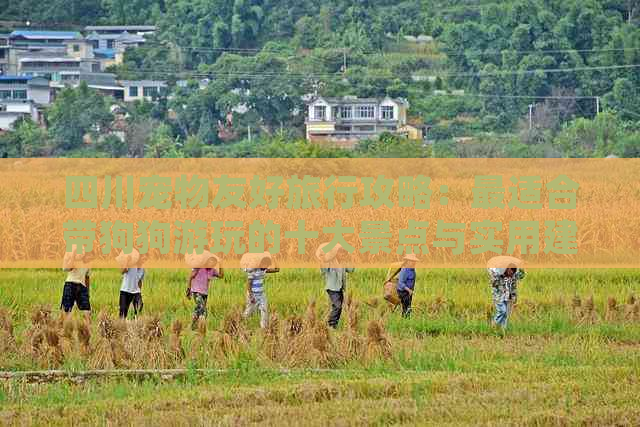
(110, 42)
(23, 88)
(12, 110)
(105, 83)
(45, 53)
(348, 120)
(138, 30)
(4, 53)
(138, 90)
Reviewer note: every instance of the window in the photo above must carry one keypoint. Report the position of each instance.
(5, 94)
(387, 112)
(95, 68)
(20, 94)
(150, 91)
(2, 53)
(366, 128)
(346, 112)
(76, 48)
(133, 91)
(320, 112)
(110, 44)
(365, 112)
(95, 44)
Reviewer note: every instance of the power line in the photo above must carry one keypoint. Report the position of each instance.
(252, 74)
(628, 112)
(149, 45)
(491, 96)
(544, 70)
(541, 51)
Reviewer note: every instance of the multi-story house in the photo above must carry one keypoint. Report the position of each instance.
(4, 53)
(105, 83)
(41, 40)
(12, 110)
(22, 96)
(140, 30)
(23, 88)
(346, 121)
(137, 90)
(45, 53)
(110, 42)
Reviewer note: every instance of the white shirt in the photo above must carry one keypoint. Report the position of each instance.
(131, 280)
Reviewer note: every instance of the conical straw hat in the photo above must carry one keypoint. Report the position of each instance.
(504, 262)
(330, 256)
(201, 261)
(128, 260)
(251, 260)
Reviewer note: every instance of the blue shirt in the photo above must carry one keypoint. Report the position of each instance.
(256, 278)
(406, 279)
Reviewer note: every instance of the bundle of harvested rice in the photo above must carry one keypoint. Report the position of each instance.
(83, 333)
(272, 339)
(612, 309)
(175, 342)
(378, 345)
(157, 355)
(7, 339)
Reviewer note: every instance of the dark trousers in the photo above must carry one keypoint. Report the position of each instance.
(405, 299)
(336, 298)
(126, 299)
(75, 293)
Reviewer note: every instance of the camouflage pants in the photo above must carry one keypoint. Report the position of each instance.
(257, 302)
(200, 309)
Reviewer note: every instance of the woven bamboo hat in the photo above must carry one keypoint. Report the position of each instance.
(204, 260)
(252, 260)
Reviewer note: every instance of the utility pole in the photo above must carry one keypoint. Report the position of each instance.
(249, 132)
(344, 61)
(597, 105)
(530, 116)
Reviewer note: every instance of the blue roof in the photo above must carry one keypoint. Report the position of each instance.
(46, 34)
(5, 78)
(109, 53)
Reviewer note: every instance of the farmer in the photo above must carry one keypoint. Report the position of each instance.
(335, 277)
(504, 286)
(406, 281)
(76, 286)
(132, 277)
(257, 266)
(198, 284)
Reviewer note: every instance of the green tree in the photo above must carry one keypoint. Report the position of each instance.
(77, 112)
(26, 140)
(162, 144)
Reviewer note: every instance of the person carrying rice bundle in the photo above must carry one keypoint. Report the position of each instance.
(405, 272)
(132, 278)
(257, 266)
(77, 284)
(202, 272)
(335, 277)
(504, 275)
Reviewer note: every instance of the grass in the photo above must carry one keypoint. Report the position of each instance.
(448, 366)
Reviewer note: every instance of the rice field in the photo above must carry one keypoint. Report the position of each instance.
(570, 356)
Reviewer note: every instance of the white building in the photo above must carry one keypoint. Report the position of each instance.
(10, 111)
(137, 90)
(347, 120)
